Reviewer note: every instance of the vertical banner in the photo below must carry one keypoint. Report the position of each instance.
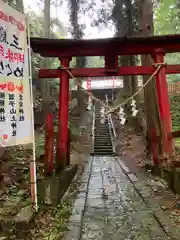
(15, 104)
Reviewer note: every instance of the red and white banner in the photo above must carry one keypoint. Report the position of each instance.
(102, 83)
(15, 103)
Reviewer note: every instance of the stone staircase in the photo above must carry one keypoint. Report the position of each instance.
(102, 138)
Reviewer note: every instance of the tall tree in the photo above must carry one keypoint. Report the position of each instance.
(17, 4)
(44, 83)
(151, 103)
(166, 21)
(126, 22)
(77, 33)
(120, 20)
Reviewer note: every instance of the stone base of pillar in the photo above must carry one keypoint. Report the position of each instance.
(52, 189)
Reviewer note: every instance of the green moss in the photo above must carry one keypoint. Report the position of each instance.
(175, 114)
(59, 222)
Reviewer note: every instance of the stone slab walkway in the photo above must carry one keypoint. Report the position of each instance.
(114, 204)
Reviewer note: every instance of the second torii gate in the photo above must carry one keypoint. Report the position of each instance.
(65, 49)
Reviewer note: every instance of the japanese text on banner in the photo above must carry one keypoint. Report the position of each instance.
(15, 104)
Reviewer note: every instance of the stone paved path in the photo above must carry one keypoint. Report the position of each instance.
(114, 204)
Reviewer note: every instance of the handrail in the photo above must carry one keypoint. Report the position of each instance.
(112, 124)
(93, 124)
(110, 120)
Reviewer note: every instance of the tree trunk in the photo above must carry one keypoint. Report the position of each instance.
(80, 96)
(80, 61)
(44, 83)
(124, 60)
(130, 33)
(134, 79)
(151, 103)
(125, 27)
(20, 6)
(120, 24)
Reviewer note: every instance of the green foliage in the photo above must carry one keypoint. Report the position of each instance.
(166, 21)
(36, 24)
(166, 17)
(57, 221)
(175, 113)
(95, 62)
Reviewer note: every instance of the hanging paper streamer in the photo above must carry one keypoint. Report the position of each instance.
(89, 103)
(134, 110)
(102, 120)
(122, 116)
(102, 111)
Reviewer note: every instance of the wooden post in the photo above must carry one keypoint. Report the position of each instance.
(154, 146)
(62, 139)
(69, 148)
(49, 146)
(163, 100)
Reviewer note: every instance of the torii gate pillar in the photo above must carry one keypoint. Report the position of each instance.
(62, 138)
(163, 100)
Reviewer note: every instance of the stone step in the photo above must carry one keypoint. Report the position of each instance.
(102, 134)
(105, 130)
(107, 143)
(101, 127)
(103, 154)
(107, 146)
(105, 150)
(102, 137)
(103, 141)
(103, 146)
(110, 150)
(102, 130)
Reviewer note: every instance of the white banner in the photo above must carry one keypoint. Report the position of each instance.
(15, 104)
(102, 84)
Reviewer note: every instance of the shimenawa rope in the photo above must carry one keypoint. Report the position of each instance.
(113, 109)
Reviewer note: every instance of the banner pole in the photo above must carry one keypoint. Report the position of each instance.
(33, 161)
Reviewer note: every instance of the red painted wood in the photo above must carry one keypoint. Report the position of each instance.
(100, 72)
(111, 61)
(175, 134)
(163, 100)
(49, 146)
(102, 47)
(62, 139)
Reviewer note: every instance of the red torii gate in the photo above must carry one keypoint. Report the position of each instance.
(111, 48)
